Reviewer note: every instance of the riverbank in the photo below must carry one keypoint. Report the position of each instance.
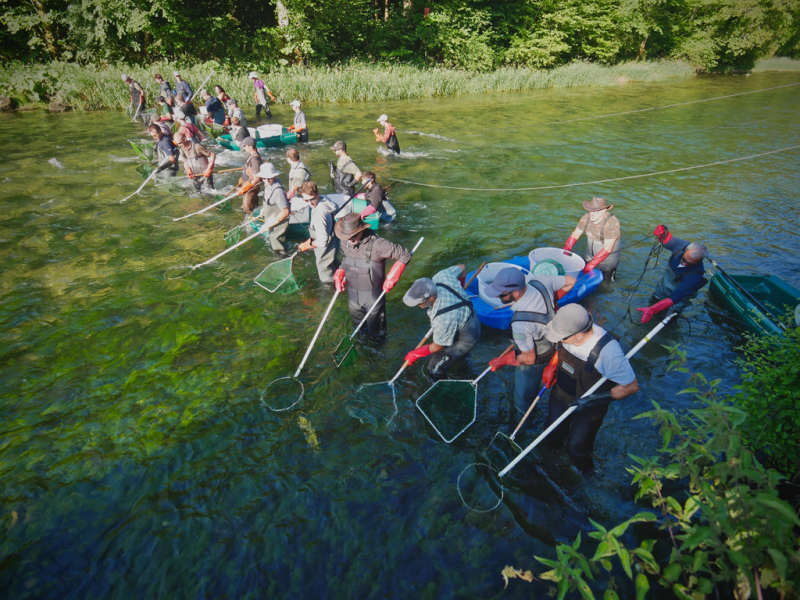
(94, 87)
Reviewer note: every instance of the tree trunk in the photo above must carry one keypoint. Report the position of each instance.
(641, 47)
(47, 27)
(408, 6)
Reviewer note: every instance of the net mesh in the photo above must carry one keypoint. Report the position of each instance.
(145, 149)
(450, 407)
(374, 404)
(233, 236)
(345, 354)
(144, 171)
(283, 394)
(225, 206)
(275, 275)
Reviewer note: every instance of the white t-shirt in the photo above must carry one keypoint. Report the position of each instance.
(525, 332)
(611, 361)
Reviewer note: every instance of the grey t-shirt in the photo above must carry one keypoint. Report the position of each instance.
(611, 361)
(275, 194)
(525, 333)
(298, 174)
(346, 165)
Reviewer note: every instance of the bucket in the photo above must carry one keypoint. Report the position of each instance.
(573, 264)
(487, 275)
(267, 131)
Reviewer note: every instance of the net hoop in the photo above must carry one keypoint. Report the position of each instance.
(464, 502)
(187, 268)
(302, 393)
(394, 397)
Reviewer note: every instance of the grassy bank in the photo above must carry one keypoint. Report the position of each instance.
(777, 64)
(93, 87)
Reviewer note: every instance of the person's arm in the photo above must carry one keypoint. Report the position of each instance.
(613, 364)
(189, 90)
(212, 160)
(618, 392)
(306, 246)
(573, 237)
(387, 133)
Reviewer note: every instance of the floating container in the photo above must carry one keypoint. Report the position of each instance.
(572, 263)
(487, 276)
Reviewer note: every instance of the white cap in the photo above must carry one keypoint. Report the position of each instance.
(268, 171)
(295, 103)
(178, 114)
(176, 74)
(383, 118)
(124, 77)
(253, 75)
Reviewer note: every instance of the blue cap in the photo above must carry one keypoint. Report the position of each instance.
(508, 280)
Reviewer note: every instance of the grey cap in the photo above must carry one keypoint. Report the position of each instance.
(420, 290)
(509, 279)
(569, 320)
(340, 145)
(248, 141)
(231, 102)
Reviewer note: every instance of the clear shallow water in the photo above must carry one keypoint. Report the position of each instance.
(137, 457)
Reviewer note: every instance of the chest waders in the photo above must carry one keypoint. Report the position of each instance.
(250, 198)
(574, 378)
(466, 338)
(392, 144)
(197, 163)
(544, 348)
(364, 285)
(344, 183)
(302, 136)
(671, 279)
(593, 245)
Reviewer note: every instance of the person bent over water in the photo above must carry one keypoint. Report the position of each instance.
(456, 328)
(682, 278)
(533, 304)
(137, 94)
(298, 172)
(249, 181)
(322, 239)
(603, 238)
(216, 112)
(300, 127)
(363, 271)
(586, 354)
(197, 160)
(167, 153)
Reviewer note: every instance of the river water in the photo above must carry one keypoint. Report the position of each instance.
(138, 458)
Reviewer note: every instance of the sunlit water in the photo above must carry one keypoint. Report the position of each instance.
(138, 458)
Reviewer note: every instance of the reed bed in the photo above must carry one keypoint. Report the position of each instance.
(777, 64)
(95, 87)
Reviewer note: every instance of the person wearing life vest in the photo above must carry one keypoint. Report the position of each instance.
(603, 238)
(216, 112)
(298, 172)
(197, 160)
(456, 328)
(261, 95)
(534, 306)
(322, 239)
(682, 278)
(275, 210)
(346, 173)
(300, 127)
(235, 112)
(137, 94)
(586, 353)
(389, 136)
(165, 110)
(375, 195)
(189, 131)
(249, 181)
(167, 153)
(182, 88)
(165, 89)
(363, 271)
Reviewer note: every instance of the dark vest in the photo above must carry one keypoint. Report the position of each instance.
(544, 347)
(363, 274)
(344, 183)
(576, 376)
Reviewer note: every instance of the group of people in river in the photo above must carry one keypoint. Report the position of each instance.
(560, 349)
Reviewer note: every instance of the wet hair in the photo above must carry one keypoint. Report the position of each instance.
(293, 154)
(309, 188)
(235, 121)
(696, 250)
(368, 175)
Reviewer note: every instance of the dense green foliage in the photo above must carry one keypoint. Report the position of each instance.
(472, 34)
(722, 528)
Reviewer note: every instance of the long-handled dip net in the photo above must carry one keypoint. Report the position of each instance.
(276, 274)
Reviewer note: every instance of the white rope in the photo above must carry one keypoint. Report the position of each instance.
(567, 185)
(641, 110)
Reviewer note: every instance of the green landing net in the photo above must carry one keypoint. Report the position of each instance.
(450, 406)
(276, 275)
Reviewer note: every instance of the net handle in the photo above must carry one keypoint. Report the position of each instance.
(209, 207)
(481, 376)
(316, 335)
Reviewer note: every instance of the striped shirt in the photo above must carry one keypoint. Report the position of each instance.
(446, 326)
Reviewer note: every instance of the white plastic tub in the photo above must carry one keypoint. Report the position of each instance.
(266, 131)
(573, 264)
(487, 276)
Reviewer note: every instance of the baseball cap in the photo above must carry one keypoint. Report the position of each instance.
(420, 290)
(340, 145)
(509, 279)
(569, 320)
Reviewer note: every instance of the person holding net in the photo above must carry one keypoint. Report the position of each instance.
(322, 239)
(455, 325)
(197, 160)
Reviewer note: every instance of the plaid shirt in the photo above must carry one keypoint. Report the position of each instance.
(446, 326)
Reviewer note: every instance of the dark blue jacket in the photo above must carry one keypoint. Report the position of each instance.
(691, 278)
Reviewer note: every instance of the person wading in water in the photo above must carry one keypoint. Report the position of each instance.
(389, 137)
(603, 237)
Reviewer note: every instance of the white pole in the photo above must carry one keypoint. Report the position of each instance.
(200, 87)
(247, 239)
(316, 335)
(149, 177)
(589, 392)
(206, 208)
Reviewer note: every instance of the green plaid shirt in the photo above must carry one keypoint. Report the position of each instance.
(446, 326)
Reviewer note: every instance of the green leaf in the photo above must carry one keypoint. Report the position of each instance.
(610, 595)
(563, 587)
(672, 572)
(602, 551)
(681, 592)
(779, 505)
(584, 589)
(642, 586)
(625, 559)
(780, 560)
(577, 543)
(700, 559)
(597, 526)
(697, 537)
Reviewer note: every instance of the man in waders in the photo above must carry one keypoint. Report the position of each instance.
(249, 181)
(165, 110)
(322, 241)
(165, 89)
(603, 236)
(239, 133)
(300, 127)
(188, 109)
(235, 112)
(298, 172)
(214, 108)
(197, 160)
(165, 149)
(389, 137)
(375, 195)
(346, 173)
(261, 95)
(586, 353)
(533, 304)
(185, 127)
(275, 211)
(182, 88)
(683, 275)
(363, 271)
(456, 328)
(137, 94)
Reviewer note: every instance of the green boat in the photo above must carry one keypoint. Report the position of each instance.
(285, 139)
(780, 300)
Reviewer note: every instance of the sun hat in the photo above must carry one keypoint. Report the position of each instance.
(349, 225)
(176, 73)
(340, 145)
(295, 103)
(383, 118)
(508, 280)
(253, 75)
(125, 77)
(420, 290)
(597, 204)
(268, 171)
(569, 320)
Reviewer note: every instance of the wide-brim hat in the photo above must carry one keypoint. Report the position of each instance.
(253, 75)
(596, 204)
(349, 225)
(268, 171)
(569, 320)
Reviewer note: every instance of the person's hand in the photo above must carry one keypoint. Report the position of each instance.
(339, 280)
(508, 359)
(598, 258)
(270, 222)
(244, 188)
(418, 353)
(271, 96)
(596, 399)
(662, 233)
(290, 129)
(375, 131)
(463, 280)
(649, 311)
(190, 173)
(569, 244)
(549, 373)
(305, 246)
(207, 173)
(393, 277)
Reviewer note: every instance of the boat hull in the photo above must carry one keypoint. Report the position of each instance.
(775, 294)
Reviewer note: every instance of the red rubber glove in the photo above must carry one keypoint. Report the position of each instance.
(207, 173)
(421, 352)
(339, 280)
(368, 211)
(165, 118)
(649, 311)
(663, 234)
(463, 280)
(549, 373)
(246, 187)
(189, 173)
(559, 294)
(569, 244)
(507, 360)
(393, 277)
(598, 258)
(271, 96)
(255, 95)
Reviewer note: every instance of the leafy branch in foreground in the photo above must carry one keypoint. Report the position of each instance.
(728, 533)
